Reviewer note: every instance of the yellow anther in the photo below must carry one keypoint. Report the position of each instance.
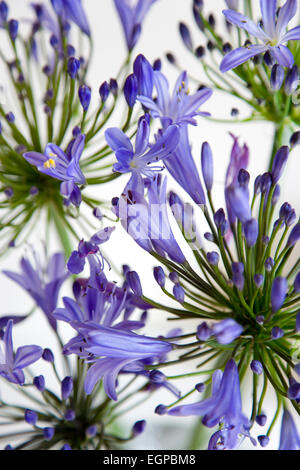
(50, 163)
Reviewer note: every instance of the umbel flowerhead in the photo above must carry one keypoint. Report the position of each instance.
(244, 295)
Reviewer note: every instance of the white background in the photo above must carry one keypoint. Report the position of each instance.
(159, 35)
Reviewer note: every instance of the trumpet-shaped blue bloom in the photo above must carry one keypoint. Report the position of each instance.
(289, 435)
(273, 35)
(147, 221)
(42, 282)
(139, 160)
(62, 166)
(224, 407)
(132, 16)
(72, 10)
(11, 364)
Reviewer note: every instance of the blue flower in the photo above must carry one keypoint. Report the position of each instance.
(132, 16)
(139, 159)
(147, 222)
(224, 407)
(11, 364)
(62, 166)
(273, 36)
(72, 10)
(289, 436)
(42, 282)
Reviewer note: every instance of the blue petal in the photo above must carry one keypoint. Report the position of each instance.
(268, 12)
(27, 355)
(117, 139)
(292, 35)
(245, 23)
(283, 55)
(239, 56)
(286, 13)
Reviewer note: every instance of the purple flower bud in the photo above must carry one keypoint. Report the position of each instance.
(261, 419)
(237, 267)
(84, 94)
(10, 117)
(33, 191)
(9, 192)
(298, 322)
(161, 410)
(48, 433)
(8, 447)
(186, 36)
(3, 11)
(39, 383)
(295, 139)
(204, 332)
(73, 67)
(251, 231)
(220, 221)
(70, 50)
(200, 387)
(294, 391)
(292, 80)
(278, 293)
(70, 415)
(134, 282)
(66, 387)
(157, 377)
(237, 199)
(260, 319)
(13, 27)
(139, 428)
(159, 276)
(256, 367)
(268, 59)
(54, 41)
(131, 90)
(294, 236)
(209, 236)
(275, 195)
(173, 276)
(238, 280)
(157, 65)
(226, 331)
(91, 431)
(104, 91)
(258, 279)
(66, 447)
(243, 177)
(31, 417)
(265, 182)
(269, 263)
(207, 165)
(277, 332)
(48, 355)
(279, 163)
(263, 440)
(277, 77)
(178, 292)
(213, 258)
(113, 85)
(170, 58)
(257, 187)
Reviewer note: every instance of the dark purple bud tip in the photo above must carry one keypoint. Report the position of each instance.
(258, 279)
(256, 367)
(48, 433)
(66, 447)
(178, 292)
(48, 355)
(66, 387)
(104, 91)
(73, 67)
(8, 447)
(139, 427)
(131, 90)
(171, 58)
(161, 410)
(277, 332)
(295, 139)
(269, 263)
(298, 322)
(261, 419)
(159, 276)
(174, 277)
(263, 440)
(134, 282)
(10, 117)
(185, 36)
(279, 163)
(277, 77)
(200, 387)
(30, 417)
(13, 27)
(39, 383)
(260, 319)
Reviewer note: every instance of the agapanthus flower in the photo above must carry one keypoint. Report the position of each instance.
(289, 435)
(72, 10)
(62, 166)
(147, 222)
(223, 407)
(42, 281)
(139, 159)
(132, 16)
(12, 364)
(273, 36)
